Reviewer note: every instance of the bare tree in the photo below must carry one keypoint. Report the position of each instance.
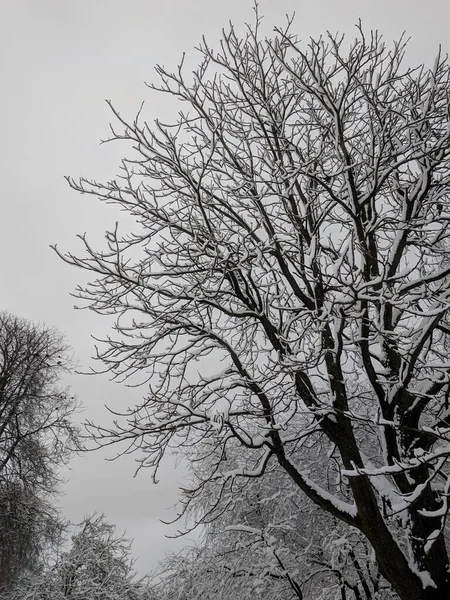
(291, 258)
(36, 436)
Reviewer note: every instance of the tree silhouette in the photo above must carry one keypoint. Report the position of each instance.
(36, 437)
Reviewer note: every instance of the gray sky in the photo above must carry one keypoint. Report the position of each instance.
(59, 60)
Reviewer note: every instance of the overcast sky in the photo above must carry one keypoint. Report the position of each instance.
(59, 60)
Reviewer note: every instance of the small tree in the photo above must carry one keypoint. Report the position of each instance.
(292, 226)
(97, 566)
(36, 435)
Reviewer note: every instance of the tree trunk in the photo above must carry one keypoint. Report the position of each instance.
(406, 583)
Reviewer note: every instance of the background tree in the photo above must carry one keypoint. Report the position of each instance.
(265, 540)
(96, 566)
(291, 258)
(36, 437)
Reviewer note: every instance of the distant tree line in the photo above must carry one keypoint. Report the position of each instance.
(37, 437)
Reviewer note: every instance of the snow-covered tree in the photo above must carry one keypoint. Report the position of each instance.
(97, 566)
(36, 437)
(268, 542)
(291, 258)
